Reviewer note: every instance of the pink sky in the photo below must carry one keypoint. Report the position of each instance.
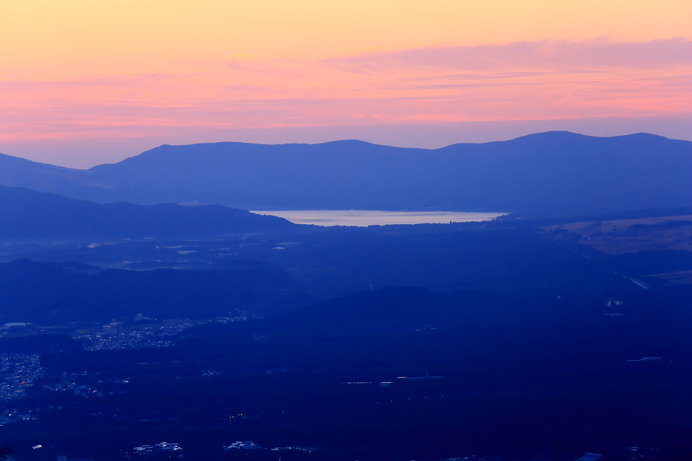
(77, 94)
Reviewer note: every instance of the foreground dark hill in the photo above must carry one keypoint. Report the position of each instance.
(549, 172)
(54, 293)
(398, 373)
(28, 214)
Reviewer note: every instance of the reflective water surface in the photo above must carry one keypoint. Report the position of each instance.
(363, 218)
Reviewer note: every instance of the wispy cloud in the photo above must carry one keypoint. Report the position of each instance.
(542, 54)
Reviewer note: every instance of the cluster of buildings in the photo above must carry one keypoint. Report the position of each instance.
(8, 416)
(161, 447)
(242, 445)
(249, 445)
(144, 333)
(69, 382)
(117, 336)
(18, 372)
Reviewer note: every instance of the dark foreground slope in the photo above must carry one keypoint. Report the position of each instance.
(389, 375)
(556, 172)
(55, 293)
(27, 214)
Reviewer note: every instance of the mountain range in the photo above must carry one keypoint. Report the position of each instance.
(553, 172)
(26, 214)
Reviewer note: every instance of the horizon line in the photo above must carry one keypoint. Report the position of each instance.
(353, 140)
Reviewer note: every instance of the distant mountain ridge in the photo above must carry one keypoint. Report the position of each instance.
(554, 172)
(28, 214)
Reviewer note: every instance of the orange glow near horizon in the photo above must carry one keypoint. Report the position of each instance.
(79, 73)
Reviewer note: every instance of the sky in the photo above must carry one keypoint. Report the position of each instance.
(84, 82)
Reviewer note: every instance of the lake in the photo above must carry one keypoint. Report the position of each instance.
(362, 218)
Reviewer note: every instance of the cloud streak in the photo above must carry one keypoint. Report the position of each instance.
(542, 54)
